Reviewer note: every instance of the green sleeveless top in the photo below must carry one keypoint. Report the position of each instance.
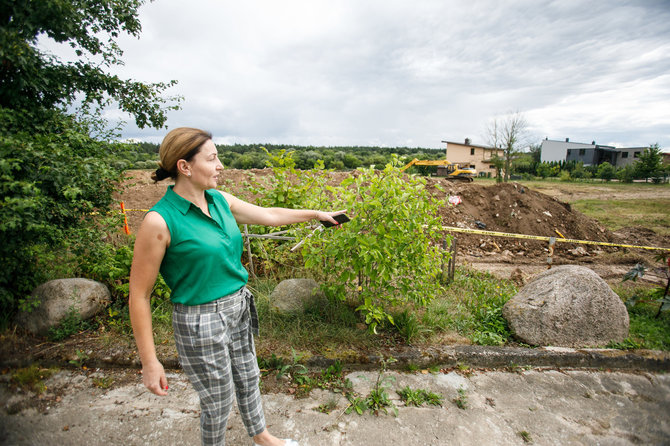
(203, 261)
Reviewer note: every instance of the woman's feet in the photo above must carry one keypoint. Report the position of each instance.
(267, 439)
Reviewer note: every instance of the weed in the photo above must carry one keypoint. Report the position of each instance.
(333, 379)
(419, 396)
(464, 369)
(626, 344)
(32, 377)
(493, 328)
(411, 367)
(525, 436)
(356, 404)
(472, 306)
(103, 382)
(378, 400)
(274, 363)
(461, 400)
(649, 324)
(81, 359)
(661, 293)
(71, 324)
(329, 326)
(327, 407)
(516, 368)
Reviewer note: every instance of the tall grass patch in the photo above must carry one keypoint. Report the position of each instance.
(330, 328)
(617, 214)
(648, 328)
(472, 307)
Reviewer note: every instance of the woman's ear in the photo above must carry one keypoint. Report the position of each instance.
(184, 168)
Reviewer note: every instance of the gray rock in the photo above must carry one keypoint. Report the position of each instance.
(57, 298)
(567, 306)
(293, 295)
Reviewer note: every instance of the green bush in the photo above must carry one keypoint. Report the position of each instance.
(387, 255)
(626, 174)
(54, 180)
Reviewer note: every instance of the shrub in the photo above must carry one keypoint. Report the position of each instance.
(53, 179)
(387, 254)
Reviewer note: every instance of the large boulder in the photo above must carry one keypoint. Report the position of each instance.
(568, 306)
(293, 295)
(59, 298)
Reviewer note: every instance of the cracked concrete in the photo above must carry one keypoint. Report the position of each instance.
(543, 406)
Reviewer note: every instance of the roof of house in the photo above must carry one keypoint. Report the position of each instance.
(469, 144)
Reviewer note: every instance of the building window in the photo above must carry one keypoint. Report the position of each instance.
(624, 154)
(636, 154)
(491, 166)
(569, 151)
(472, 151)
(582, 152)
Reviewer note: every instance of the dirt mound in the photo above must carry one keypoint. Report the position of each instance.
(514, 208)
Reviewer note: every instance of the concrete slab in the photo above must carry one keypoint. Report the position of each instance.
(548, 407)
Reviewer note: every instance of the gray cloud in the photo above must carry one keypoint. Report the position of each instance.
(409, 73)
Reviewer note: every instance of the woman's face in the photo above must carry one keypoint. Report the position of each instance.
(205, 166)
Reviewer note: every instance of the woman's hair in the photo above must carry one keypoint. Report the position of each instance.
(180, 143)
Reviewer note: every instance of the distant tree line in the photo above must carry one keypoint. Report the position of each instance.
(523, 165)
(144, 155)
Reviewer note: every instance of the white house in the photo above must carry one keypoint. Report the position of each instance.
(558, 150)
(588, 154)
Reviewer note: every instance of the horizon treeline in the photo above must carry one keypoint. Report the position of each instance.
(144, 155)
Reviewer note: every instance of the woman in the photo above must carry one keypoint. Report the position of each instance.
(191, 237)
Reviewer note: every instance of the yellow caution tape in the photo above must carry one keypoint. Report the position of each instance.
(521, 236)
(546, 239)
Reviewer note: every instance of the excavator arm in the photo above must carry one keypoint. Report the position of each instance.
(417, 162)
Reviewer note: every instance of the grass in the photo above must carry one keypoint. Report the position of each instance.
(332, 329)
(469, 310)
(617, 214)
(470, 307)
(646, 331)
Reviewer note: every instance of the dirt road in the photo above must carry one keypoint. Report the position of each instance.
(547, 407)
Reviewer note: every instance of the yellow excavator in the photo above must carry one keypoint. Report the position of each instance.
(447, 169)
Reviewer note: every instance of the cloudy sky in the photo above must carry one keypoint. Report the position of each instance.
(408, 73)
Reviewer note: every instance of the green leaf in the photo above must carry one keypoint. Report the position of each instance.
(636, 272)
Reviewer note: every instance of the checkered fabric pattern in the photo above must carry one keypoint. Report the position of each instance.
(216, 349)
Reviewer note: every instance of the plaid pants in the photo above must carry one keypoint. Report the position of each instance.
(216, 349)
